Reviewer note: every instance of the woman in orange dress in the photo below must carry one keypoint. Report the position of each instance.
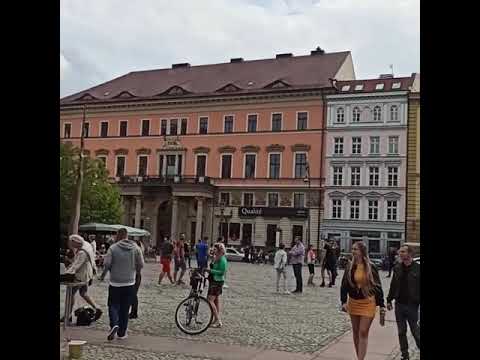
(361, 293)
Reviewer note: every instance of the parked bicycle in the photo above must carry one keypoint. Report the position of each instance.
(194, 314)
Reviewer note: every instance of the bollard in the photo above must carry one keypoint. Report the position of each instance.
(75, 349)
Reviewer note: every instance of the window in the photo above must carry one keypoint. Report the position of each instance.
(373, 246)
(142, 165)
(355, 209)
(173, 126)
(104, 129)
(355, 180)
(356, 114)
(228, 124)
(103, 159)
(379, 86)
(163, 127)
(356, 145)
(120, 171)
(171, 165)
(298, 200)
(160, 165)
(358, 87)
(67, 130)
(273, 199)
(374, 172)
(183, 128)
(225, 198)
(393, 144)
(391, 210)
(338, 146)
(372, 209)
(302, 119)
(337, 176)
(250, 162)
(203, 125)
(247, 199)
(300, 165)
(377, 113)
(274, 170)
(234, 231)
(252, 123)
(337, 209)
(340, 115)
(394, 113)
(145, 127)
(396, 85)
(86, 129)
(247, 234)
(226, 166)
(345, 87)
(375, 145)
(392, 176)
(276, 122)
(201, 165)
(123, 128)
(179, 164)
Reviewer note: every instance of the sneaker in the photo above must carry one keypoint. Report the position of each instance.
(286, 292)
(112, 333)
(225, 286)
(217, 324)
(123, 337)
(98, 314)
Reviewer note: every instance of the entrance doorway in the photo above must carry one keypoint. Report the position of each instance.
(164, 221)
(297, 230)
(271, 235)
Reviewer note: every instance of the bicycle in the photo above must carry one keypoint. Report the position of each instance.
(194, 315)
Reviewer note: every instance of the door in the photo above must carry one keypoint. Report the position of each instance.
(297, 230)
(271, 235)
(247, 234)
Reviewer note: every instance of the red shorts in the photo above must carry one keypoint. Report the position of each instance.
(165, 261)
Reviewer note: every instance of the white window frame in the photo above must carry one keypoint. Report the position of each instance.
(360, 143)
(169, 124)
(198, 124)
(246, 123)
(138, 164)
(377, 115)
(221, 165)
(233, 123)
(206, 163)
(103, 157)
(71, 128)
(370, 175)
(116, 164)
(359, 176)
(271, 121)
(149, 126)
(391, 208)
(100, 127)
(397, 112)
(268, 198)
(294, 162)
(390, 143)
(243, 198)
(229, 198)
(304, 199)
(393, 173)
(308, 118)
(168, 127)
(333, 174)
(377, 208)
(356, 207)
(120, 128)
(280, 171)
(337, 113)
(334, 145)
(180, 125)
(354, 113)
(378, 145)
(340, 207)
(244, 165)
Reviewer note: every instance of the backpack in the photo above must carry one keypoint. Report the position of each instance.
(85, 316)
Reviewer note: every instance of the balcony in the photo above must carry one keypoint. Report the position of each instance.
(161, 180)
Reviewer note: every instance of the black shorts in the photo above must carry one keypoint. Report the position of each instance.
(81, 289)
(311, 269)
(215, 288)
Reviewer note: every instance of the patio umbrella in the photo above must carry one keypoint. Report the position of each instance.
(99, 227)
(131, 230)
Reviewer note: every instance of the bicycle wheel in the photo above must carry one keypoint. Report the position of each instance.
(194, 315)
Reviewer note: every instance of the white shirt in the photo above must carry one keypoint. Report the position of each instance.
(280, 261)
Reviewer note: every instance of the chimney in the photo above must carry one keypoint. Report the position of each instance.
(181, 65)
(386, 76)
(317, 51)
(236, 60)
(286, 55)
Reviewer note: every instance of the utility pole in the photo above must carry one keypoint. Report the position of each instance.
(77, 198)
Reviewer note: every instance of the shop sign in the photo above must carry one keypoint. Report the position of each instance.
(272, 212)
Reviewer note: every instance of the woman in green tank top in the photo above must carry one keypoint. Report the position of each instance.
(216, 279)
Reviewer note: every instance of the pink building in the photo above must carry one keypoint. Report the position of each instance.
(232, 149)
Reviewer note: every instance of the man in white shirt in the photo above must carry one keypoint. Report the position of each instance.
(280, 265)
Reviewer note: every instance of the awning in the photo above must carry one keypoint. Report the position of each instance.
(99, 227)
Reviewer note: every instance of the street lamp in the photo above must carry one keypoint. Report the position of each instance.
(307, 180)
(222, 218)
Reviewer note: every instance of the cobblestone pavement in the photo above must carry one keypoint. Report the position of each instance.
(252, 313)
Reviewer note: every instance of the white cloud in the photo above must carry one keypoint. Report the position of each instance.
(64, 66)
(102, 40)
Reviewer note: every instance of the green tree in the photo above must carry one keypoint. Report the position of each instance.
(100, 198)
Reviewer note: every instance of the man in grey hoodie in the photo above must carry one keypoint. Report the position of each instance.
(124, 260)
(297, 256)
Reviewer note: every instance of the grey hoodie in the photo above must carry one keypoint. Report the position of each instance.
(124, 259)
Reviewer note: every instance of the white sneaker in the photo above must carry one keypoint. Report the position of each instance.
(225, 286)
(286, 292)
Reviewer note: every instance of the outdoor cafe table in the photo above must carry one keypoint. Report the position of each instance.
(68, 304)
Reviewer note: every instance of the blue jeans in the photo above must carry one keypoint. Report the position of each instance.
(119, 301)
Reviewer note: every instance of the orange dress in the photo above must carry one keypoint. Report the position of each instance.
(361, 307)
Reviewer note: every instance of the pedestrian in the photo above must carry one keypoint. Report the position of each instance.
(361, 292)
(166, 260)
(202, 253)
(124, 260)
(91, 240)
(311, 265)
(218, 268)
(186, 249)
(179, 260)
(280, 265)
(329, 265)
(138, 281)
(83, 266)
(405, 290)
(297, 257)
(391, 260)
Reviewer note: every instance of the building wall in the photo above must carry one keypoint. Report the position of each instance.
(413, 171)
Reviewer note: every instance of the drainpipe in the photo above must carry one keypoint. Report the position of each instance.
(322, 132)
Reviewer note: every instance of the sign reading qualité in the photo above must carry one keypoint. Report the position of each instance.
(272, 212)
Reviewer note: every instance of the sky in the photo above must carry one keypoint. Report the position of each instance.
(101, 40)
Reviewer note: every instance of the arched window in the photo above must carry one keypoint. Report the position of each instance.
(377, 113)
(340, 115)
(356, 114)
(394, 113)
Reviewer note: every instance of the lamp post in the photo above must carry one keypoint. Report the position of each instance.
(307, 181)
(222, 218)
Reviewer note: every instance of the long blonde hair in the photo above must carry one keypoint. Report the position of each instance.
(367, 288)
(221, 251)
